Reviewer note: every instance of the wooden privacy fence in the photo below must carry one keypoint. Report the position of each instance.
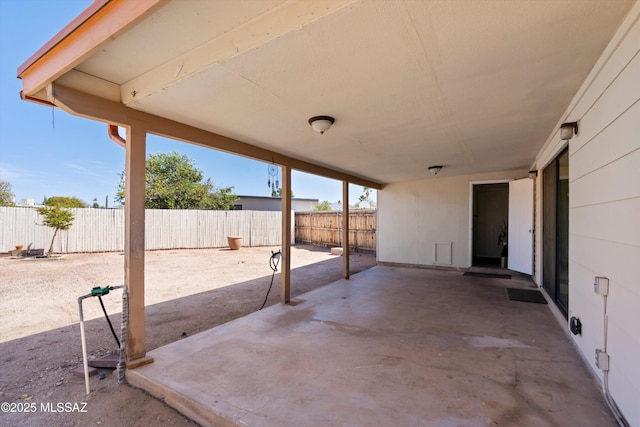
(102, 230)
(324, 228)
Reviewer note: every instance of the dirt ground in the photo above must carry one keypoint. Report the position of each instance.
(187, 291)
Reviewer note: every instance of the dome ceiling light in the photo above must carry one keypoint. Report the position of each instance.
(321, 124)
(435, 169)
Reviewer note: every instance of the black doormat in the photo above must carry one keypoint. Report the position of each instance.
(526, 295)
(491, 275)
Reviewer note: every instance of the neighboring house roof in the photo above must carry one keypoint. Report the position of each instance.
(473, 86)
(300, 199)
(273, 203)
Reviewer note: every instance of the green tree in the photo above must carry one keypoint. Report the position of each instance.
(57, 218)
(221, 198)
(174, 182)
(6, 195)
(65, 202)
(324, 206)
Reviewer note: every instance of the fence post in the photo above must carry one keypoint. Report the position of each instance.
(311, 236)
(339, 224)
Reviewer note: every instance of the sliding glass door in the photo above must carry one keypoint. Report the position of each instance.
(555, 230)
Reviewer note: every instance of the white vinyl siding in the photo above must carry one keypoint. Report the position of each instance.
(604, 210)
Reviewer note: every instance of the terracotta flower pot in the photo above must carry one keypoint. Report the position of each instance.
(234, 242)
(19, 247)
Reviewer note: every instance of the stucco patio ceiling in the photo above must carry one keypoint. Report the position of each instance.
(474, 85)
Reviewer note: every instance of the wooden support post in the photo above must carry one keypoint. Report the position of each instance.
(345, 230)
(134, 240)
(285, 271)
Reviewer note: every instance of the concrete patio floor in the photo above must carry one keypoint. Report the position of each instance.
(390, 347)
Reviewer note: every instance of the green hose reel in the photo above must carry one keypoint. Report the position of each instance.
(98, 291)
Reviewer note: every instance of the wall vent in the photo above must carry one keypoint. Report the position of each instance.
(442, 253)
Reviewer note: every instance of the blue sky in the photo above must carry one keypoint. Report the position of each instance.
(47, 152)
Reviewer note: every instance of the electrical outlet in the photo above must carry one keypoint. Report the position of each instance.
(602, 360)
(601, 286)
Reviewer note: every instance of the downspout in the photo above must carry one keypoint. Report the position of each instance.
(115, 136)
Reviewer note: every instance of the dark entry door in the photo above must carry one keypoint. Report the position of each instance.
(490, 221)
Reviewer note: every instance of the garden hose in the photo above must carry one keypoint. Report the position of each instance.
(104, 310)
(274, 260)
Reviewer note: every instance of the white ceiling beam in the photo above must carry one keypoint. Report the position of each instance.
(286, 17)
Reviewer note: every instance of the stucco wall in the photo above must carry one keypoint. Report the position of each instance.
(414, 216)
(604, 213)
